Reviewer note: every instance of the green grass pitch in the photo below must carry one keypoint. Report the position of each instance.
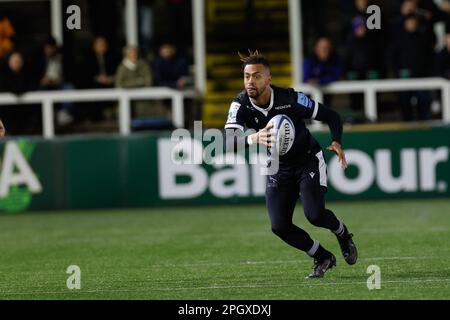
(222, 253)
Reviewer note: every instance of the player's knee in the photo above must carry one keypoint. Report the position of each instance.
(281, 231)
(314, 218)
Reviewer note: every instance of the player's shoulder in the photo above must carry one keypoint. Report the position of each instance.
(290, 95)
(284, 93)
(236, 113)
(241, 98)
(240, 103)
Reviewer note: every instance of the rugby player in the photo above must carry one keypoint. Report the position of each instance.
(302, 171)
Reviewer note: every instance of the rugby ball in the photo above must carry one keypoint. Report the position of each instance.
(284, 132)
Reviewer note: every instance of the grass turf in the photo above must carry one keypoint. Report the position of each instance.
(222, 253)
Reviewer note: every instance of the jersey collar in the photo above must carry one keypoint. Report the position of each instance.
(264, 111)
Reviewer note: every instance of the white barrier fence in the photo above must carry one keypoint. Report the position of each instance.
(370, 88)
(47, 99)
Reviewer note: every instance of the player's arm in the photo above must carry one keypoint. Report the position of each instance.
(235, 138)
(317, 111)
(234, 129)
(333, 119)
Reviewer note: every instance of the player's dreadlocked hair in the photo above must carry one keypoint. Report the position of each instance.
(253, 58)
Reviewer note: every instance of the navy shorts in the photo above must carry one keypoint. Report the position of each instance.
(307, 182)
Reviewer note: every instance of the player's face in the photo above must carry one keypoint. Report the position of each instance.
(257, 79)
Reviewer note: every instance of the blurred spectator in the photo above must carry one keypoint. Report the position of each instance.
(410, 51)
(6, 34)
(99, 73)
(427, 10)
(102, 65)
(15, 78)
(410, 61)
(443, 60)
(170, 69)
(362, 54)
(361, 58)
(323, 66)
(133, 72)
(52, 77)
(427, 14)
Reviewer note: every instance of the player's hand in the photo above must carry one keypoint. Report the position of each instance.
(336, 148)
(263, 136)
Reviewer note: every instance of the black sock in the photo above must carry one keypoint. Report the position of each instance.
(321, 253)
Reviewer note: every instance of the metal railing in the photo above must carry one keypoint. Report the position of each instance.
(47, 99)
(370, 88)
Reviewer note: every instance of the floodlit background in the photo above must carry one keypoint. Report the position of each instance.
(90, 92)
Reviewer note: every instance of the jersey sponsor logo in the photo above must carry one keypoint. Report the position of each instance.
(232, 114)
(304, 101)
(287, 106)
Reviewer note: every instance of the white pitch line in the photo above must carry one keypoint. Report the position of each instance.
(218, 264)
(254, 286)
(387, 230)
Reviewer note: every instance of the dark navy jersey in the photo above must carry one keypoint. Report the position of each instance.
(297, 106)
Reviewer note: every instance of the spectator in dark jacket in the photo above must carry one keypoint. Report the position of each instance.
(51, 73)
(51, 77)
(15, 78)
(427, 10)
(99, 73)
(363, 49)
(102, 65)
(427, 13)
(410, 61)
(442, 68)
(410, 50)
(170, 69)
(362, 55)
(323, 66)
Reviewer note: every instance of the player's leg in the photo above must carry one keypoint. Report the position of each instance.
(281, 203)
(313, 187)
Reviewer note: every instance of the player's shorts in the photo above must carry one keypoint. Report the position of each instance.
(293, 178)
(307, 182)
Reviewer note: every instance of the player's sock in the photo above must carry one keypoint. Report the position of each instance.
(318, 252)
(342, 230)
(347, 245)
